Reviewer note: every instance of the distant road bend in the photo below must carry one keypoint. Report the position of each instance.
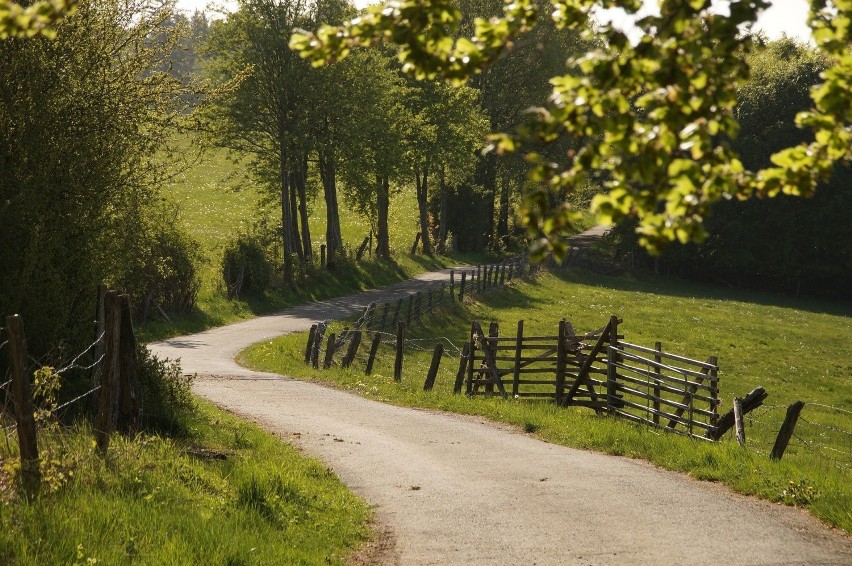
(450, 489)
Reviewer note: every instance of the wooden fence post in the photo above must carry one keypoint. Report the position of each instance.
(462, 365)
(738, 420)
(310, 345)
(461, 287)
(22, 393)
(433, 367)
(400, 340)
(385, 309)
(416, 242)
(329, 351)
(322, 257)
(519, 346)
(317, 345)
(786, 431)
(714, 390)
(611, 373)
(658, 346)
(452, 285)
(374, 347)
(493, 332)
(560, 362)
(129, 406)
(99, 331)
(470, 359)
(353, 349)
(109, 375)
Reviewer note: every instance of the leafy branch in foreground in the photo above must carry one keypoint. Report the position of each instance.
(654, 119)
(17, 20)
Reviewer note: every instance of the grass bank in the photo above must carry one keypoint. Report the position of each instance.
(796, 349)
(228, 494)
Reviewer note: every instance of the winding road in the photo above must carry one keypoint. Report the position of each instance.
(450, 489)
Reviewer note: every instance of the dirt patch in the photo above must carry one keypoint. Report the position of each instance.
(380, 550)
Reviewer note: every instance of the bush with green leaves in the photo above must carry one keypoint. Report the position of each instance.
(167, 401)
(246, 268)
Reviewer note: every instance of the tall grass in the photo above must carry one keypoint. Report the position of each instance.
(796, 349)
(228, 494)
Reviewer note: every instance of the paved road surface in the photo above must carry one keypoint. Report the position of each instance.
(450, 489)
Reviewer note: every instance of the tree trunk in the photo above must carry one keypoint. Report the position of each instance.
(294, 215)
(442, 221)
(301, 187)
(333, 236)
(286, 221)
(421, 179)
(503, 214)
(382, 206)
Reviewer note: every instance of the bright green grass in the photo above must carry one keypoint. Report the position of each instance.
(151, 502)
(796, 349)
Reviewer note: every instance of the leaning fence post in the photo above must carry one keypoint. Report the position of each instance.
(786, 430)
(353, 349)
(329, 351)
(22, 392)
(377, 339)
(462, 366)
(400, 339)
(433, 367)
(112, 330)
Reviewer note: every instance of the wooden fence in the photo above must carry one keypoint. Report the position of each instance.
(598, 370)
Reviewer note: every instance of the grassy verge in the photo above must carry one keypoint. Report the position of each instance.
(796, 349)
(230, 494)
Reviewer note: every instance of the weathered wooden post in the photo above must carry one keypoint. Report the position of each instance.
(516, 378)
(353, 349)
(611, 370)
(310, 346)
(433, 367)
(786, 431)
(109, 375)
(461, 287)
(317, 345)
(462, 365)
(22, 393)
(322, 258)
(560, 362)
(714, 390)
(329, 350)
(452, 285)
(738, 420)
(658, 346)
(374, 347)
(99, 333)
(400, 340)
(471, 358)
(129, 407)
(493, 334)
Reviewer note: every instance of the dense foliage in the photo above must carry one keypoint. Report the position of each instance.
(84, 121)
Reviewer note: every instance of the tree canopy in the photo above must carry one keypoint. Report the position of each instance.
(656, 116)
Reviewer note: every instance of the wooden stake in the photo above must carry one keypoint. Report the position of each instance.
(462, 365)
(309, 347)
(400, 340)
(22, 393)
(786, 430)
(329, 351)
(353, 349)
(109, 375)
(433, 367)
(374, 347)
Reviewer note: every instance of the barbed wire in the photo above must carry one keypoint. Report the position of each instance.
(72, 364)
(847, 411)
(75, 399)
(825, 426)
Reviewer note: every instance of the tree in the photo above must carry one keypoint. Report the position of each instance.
(36, 18)
(657, 116)
(85, 120)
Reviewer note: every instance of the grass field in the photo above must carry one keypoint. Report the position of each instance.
(796, 349)
(228, 494)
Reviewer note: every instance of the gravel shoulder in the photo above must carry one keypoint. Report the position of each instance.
(451, 489)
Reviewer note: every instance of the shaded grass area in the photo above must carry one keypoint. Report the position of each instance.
(229, 494)
(796, 349)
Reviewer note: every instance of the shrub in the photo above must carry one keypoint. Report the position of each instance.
(167, 400)
(245, 267)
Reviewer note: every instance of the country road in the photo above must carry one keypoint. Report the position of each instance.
(451, 489)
